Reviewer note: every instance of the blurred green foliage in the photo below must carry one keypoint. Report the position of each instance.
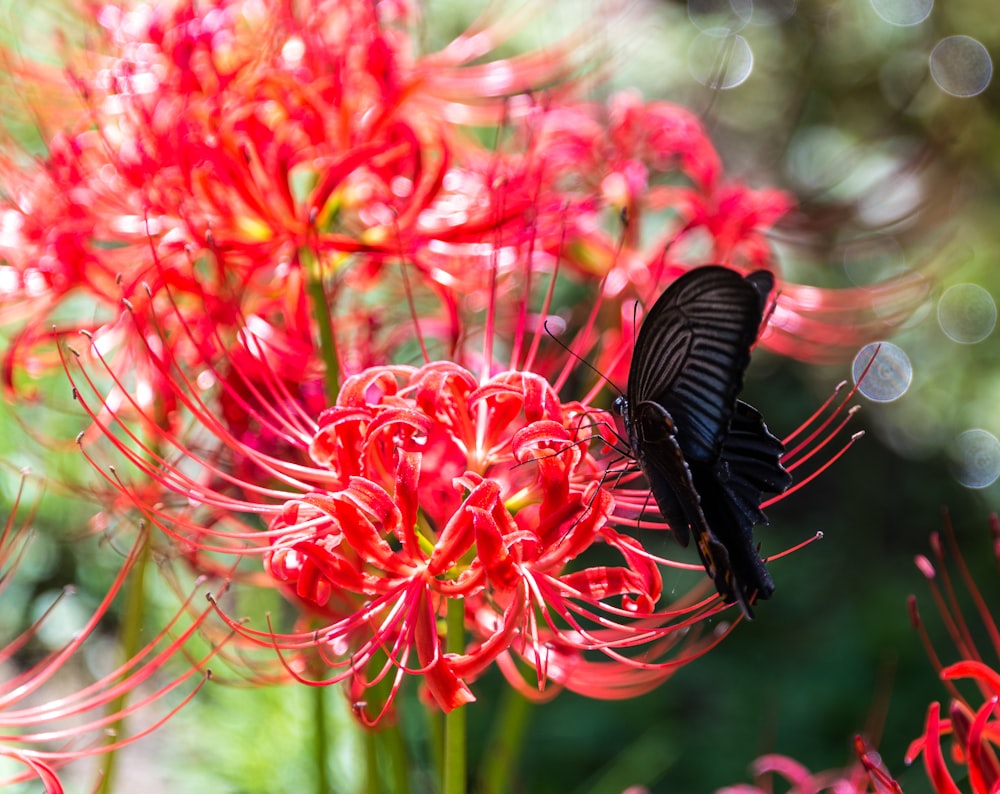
(841, 110)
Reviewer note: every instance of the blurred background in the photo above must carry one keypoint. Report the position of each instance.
(881, 117)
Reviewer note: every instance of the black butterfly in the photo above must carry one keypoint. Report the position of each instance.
(708, 456)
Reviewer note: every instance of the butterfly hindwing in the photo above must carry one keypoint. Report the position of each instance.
(749, 463)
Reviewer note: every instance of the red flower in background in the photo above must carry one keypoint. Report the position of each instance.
(652, 165)
(971, 723)
(42, 725)
(235, 153)
(867, 775)
(238, 154)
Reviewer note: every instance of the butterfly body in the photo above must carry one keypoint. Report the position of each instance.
(707, 455)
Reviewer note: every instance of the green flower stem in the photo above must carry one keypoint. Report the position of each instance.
(505, 744)
(131, 633)
(395, 750)
(323, 314)
(373, 780)
(435, 740)
(454, 720)
(387, 763)
(321, 735)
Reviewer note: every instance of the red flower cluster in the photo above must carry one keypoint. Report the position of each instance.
(972, 722)
(867, 775)
(424, 487)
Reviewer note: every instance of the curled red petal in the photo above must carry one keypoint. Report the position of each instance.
(969, 668)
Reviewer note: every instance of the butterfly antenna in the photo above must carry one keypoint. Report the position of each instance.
(622, 351)
(626, 220)
(580, 359)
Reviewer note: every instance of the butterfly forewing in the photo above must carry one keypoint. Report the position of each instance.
(691, 352)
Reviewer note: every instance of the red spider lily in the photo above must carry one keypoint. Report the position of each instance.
(867, 776)
(650, 170)
(643, 161)
(245, 150)
(419, 489)
(423, 487)
(45, 732)
(974, 730)
(829, 325)
(242, 152)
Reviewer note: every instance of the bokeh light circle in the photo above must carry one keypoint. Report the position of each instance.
(903, 12)
(967, 313)
(976, 458)
(961, 66)
(720, 61)
(889, 376)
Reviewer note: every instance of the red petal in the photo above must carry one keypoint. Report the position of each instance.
(447, 689)
(937, 769)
